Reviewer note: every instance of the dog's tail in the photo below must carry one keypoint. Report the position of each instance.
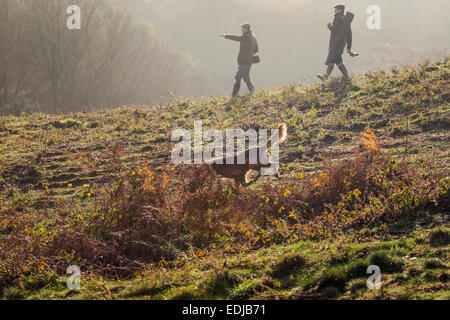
(278, 137)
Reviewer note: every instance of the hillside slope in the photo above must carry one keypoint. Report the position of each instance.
(98, 190)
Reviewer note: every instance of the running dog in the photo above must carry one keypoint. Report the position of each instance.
(239, 172)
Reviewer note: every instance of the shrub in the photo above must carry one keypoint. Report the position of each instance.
(147, 216)
(386, 262)
(433, 264)
(288, 265)
(440, 236)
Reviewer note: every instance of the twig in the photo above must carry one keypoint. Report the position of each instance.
(407, 137)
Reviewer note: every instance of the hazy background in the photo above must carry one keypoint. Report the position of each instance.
(293, 36)
(147, 51)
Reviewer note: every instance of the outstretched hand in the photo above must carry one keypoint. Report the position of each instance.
(222, 35)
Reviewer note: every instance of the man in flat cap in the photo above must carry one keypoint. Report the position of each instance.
(248, 50)
(341, 35)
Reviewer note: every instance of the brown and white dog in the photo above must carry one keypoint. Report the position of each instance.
(239, 172)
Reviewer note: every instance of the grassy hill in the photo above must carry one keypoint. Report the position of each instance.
(364, 181)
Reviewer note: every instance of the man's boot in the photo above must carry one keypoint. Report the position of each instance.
(236, 88)
(344, 71)
(326, 75)
(323, 77)
(250, 87)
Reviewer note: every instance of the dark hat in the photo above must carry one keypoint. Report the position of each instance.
(246, 25)
(340, 7)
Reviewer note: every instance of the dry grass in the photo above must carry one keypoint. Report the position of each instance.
(150, 217)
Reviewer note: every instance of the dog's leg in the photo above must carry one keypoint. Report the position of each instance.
(239, 182)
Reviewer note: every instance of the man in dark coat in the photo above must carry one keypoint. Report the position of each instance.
(248, 48)
(341, 35)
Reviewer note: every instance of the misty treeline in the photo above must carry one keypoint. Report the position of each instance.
(112, 60)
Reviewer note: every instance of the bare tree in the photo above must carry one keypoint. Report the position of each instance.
(112, 60)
